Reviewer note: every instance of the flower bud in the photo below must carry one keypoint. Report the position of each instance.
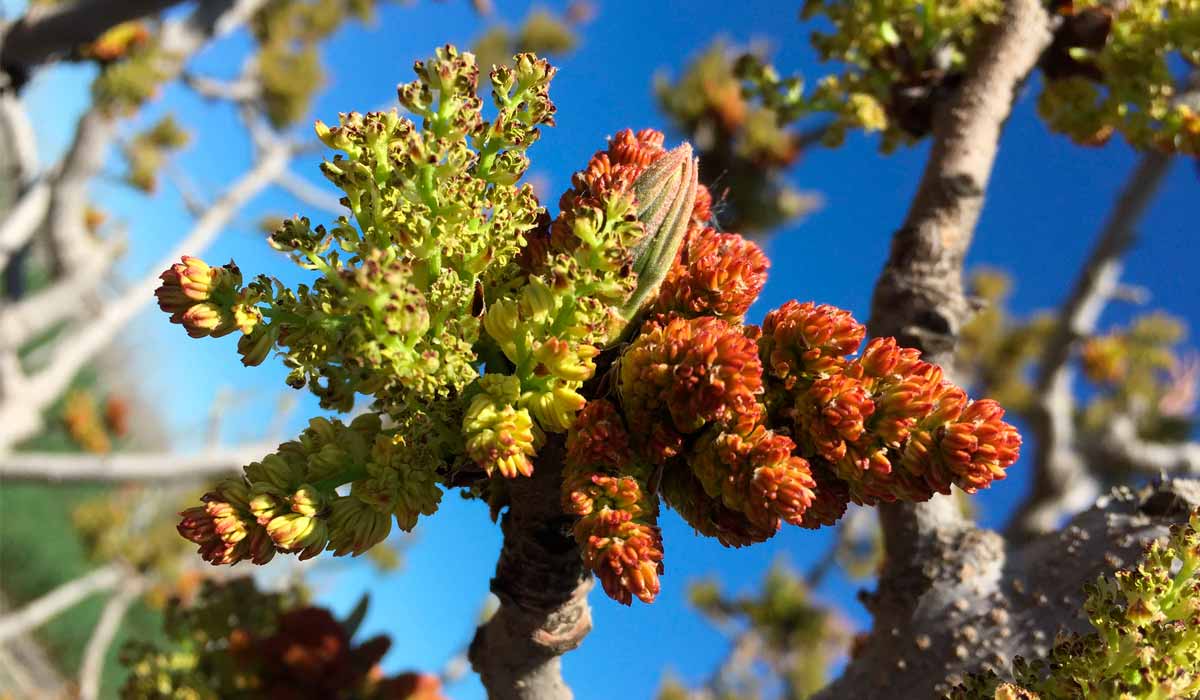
(666, 195)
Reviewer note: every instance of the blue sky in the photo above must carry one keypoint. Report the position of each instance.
(1047, 201)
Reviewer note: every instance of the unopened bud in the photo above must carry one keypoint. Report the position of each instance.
(666, 195)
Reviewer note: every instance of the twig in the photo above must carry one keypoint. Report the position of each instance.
(46, 32)
(40, 610)
(64, 299)
(94, 654)
(1061, 481)
(1121, 447)
(19, 414)
(130, 466)
(311, 194)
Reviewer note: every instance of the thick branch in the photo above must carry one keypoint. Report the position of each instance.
(94, 654)
(1121, 448)
(1061, 481)
(542, 587)
(47, 32)
(919, 297)
(988, 602)
(58, 600)
(126, 466)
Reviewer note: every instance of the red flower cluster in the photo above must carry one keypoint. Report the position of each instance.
(310, 655)
(224, 527)
(699, 371)
(617, 529)
(714, 273)
(889, 424)
(743, 428)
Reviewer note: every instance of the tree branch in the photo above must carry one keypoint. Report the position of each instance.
(988, 602)
(542, 587)
(919, 297)
(1120, 447)
(311, 194)
(92, 670)
(1061, 480)
(58, 600)
(47, 32)
(130, 466)
(19, 413)
(64, 299)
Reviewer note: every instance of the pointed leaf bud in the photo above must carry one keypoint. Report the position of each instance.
(666, 195)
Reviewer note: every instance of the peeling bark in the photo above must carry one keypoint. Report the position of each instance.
(542, 587)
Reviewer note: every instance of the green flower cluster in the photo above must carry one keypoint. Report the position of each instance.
(148, 151)
(899, 56)
(1147, 639)
(288, 501)
(445, 294)
(1110, 71)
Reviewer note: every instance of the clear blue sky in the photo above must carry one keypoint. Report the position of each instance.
(1047, 201)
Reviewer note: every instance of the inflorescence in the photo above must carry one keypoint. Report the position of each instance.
(483, 329)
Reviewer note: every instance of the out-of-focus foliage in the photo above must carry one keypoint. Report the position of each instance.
(289, 33)
(93, 426)
(1147, 639)
(1110, 70)
(739, 115)
(899, 58)
(785, 644)
(1142, 372)
(235, 642)
(1112, 67)
(148, 151)
(541, 32)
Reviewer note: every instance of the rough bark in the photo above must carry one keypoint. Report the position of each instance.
(988, 602)
(919, 297)
(920, 300)
(542, 587)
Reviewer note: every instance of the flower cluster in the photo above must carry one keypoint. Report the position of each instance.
(901, 57)
(1147, 638)
(235, 641)
(1110, 71)
(740, 116)
(288, 501)
(484, 329)
(617, 527)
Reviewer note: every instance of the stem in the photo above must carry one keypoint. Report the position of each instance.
(542, 587)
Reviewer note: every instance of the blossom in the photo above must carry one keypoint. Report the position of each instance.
(355, 527)
(201, 298)
(624, 553)
(806, 341)
(703, 370)
(756, 474)
(830, 498)
(714, 273)
(224, 528)
(598, 437)
(499, 436)
(709, 516)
